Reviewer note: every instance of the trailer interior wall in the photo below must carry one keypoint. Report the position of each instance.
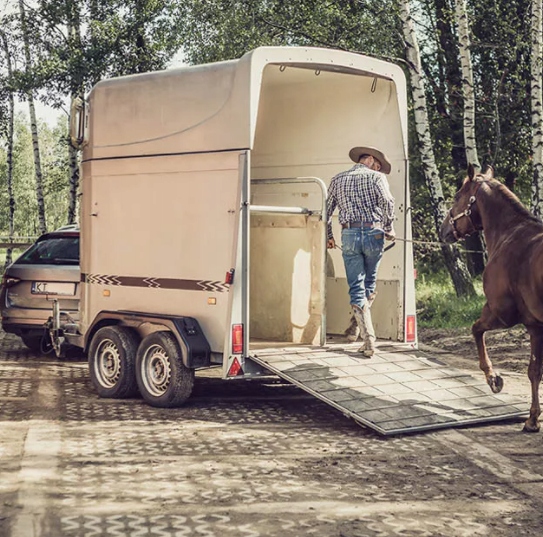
(308, 119)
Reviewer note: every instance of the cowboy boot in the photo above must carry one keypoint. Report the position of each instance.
(371, 299)
(352, 331)
(369, 333)
(359, 317)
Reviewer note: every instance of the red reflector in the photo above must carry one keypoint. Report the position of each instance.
(415, 274)
(235, 369)
(410, 328)
(229, 277)
(237, 339)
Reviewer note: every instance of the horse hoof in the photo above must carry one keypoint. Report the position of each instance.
(529, 428)
(495, 383)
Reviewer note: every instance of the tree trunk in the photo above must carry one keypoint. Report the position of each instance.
(467, 83)
(459, 273)
(451, 81)
(9, 148)
(475, 254)
(33, 126)
(537, 108)
(74, 183)
(77, 91)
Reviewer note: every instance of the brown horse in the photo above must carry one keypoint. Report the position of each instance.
(513, 277)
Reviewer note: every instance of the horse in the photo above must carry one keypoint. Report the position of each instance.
(513, 276)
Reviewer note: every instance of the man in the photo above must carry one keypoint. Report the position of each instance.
(366, 213)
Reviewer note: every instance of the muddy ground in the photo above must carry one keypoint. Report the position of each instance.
(508, 349)
(254, 459)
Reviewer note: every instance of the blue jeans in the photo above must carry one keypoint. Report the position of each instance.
(362, 252)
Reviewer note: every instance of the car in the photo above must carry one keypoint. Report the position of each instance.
(46, 271)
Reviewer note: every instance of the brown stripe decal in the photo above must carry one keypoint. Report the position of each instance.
(156, 283)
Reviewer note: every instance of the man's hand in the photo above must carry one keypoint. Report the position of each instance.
(390, 235)
(331, 244)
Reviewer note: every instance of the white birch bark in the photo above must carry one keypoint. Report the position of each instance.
(33, 126)
(457, 268)
(422, 123)
(9, 148)
(74, 35)
(462, 24)
(74, 182)
(537, 107)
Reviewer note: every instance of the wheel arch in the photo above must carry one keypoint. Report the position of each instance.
(195, 349)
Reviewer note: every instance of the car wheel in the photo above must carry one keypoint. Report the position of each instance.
(33, 342)
(112, 356)
(163, 380)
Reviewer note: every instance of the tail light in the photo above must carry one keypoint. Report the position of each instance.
(237, 339)
(410, 328)
(9, 281)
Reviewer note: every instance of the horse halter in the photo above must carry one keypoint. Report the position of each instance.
(466, 213)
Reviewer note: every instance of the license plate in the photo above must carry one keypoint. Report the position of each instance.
(53, 288)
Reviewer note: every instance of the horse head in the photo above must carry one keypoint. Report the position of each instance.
(463, 218)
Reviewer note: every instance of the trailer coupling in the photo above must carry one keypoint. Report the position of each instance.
(58, 326)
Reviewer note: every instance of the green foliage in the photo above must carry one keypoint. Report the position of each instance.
(226, 29)
(501, 55)
(78, 42)
(439, 307)
(54, 152)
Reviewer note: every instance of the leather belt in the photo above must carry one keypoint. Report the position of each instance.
(366, 225)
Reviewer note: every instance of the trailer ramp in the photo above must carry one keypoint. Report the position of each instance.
(398, 390)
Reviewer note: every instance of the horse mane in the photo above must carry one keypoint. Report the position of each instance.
(513, 201)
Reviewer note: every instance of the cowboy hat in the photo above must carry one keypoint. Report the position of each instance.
(356, 152)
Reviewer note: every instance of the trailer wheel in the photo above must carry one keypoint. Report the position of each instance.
(112, 357)
(163, 380)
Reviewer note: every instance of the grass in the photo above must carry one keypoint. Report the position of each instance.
(439, 307)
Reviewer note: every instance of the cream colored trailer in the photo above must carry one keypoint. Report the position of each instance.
(203, 207)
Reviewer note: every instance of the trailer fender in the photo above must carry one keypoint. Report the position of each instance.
(194, 346)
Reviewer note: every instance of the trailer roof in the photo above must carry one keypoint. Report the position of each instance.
(211, 107)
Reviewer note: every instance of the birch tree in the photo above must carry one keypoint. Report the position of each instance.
(457, 268)
(9, 144)
(537, 107)
(76, 92)
(467, 83)
(474, 244)
(33, 122)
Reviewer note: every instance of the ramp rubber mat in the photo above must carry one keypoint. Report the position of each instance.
(394, 391)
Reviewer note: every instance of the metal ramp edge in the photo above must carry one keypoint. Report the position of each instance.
(396, 391)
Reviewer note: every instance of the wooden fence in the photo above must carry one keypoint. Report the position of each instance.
(16, 242)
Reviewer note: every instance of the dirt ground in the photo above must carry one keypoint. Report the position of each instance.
(255, 459)
(508, 349)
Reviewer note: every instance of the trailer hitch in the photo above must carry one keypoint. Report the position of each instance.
(56, 333)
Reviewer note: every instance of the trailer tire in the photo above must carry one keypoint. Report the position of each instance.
(163, 379)
(112, 358)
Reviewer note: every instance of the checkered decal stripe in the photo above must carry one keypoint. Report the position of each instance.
(156, 283)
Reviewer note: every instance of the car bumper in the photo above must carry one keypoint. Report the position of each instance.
(28, 321)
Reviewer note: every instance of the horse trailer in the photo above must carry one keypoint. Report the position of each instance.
(203, 232)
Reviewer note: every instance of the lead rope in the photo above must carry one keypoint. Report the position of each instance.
(431, 243)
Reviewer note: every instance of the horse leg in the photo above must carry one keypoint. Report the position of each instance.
(486, 322)
(534, 374)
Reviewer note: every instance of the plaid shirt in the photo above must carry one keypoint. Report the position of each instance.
(361, 195)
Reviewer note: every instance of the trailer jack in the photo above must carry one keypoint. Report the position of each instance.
(56, 333)
(58, 329)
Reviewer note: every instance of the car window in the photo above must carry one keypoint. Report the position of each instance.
(52, 251)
